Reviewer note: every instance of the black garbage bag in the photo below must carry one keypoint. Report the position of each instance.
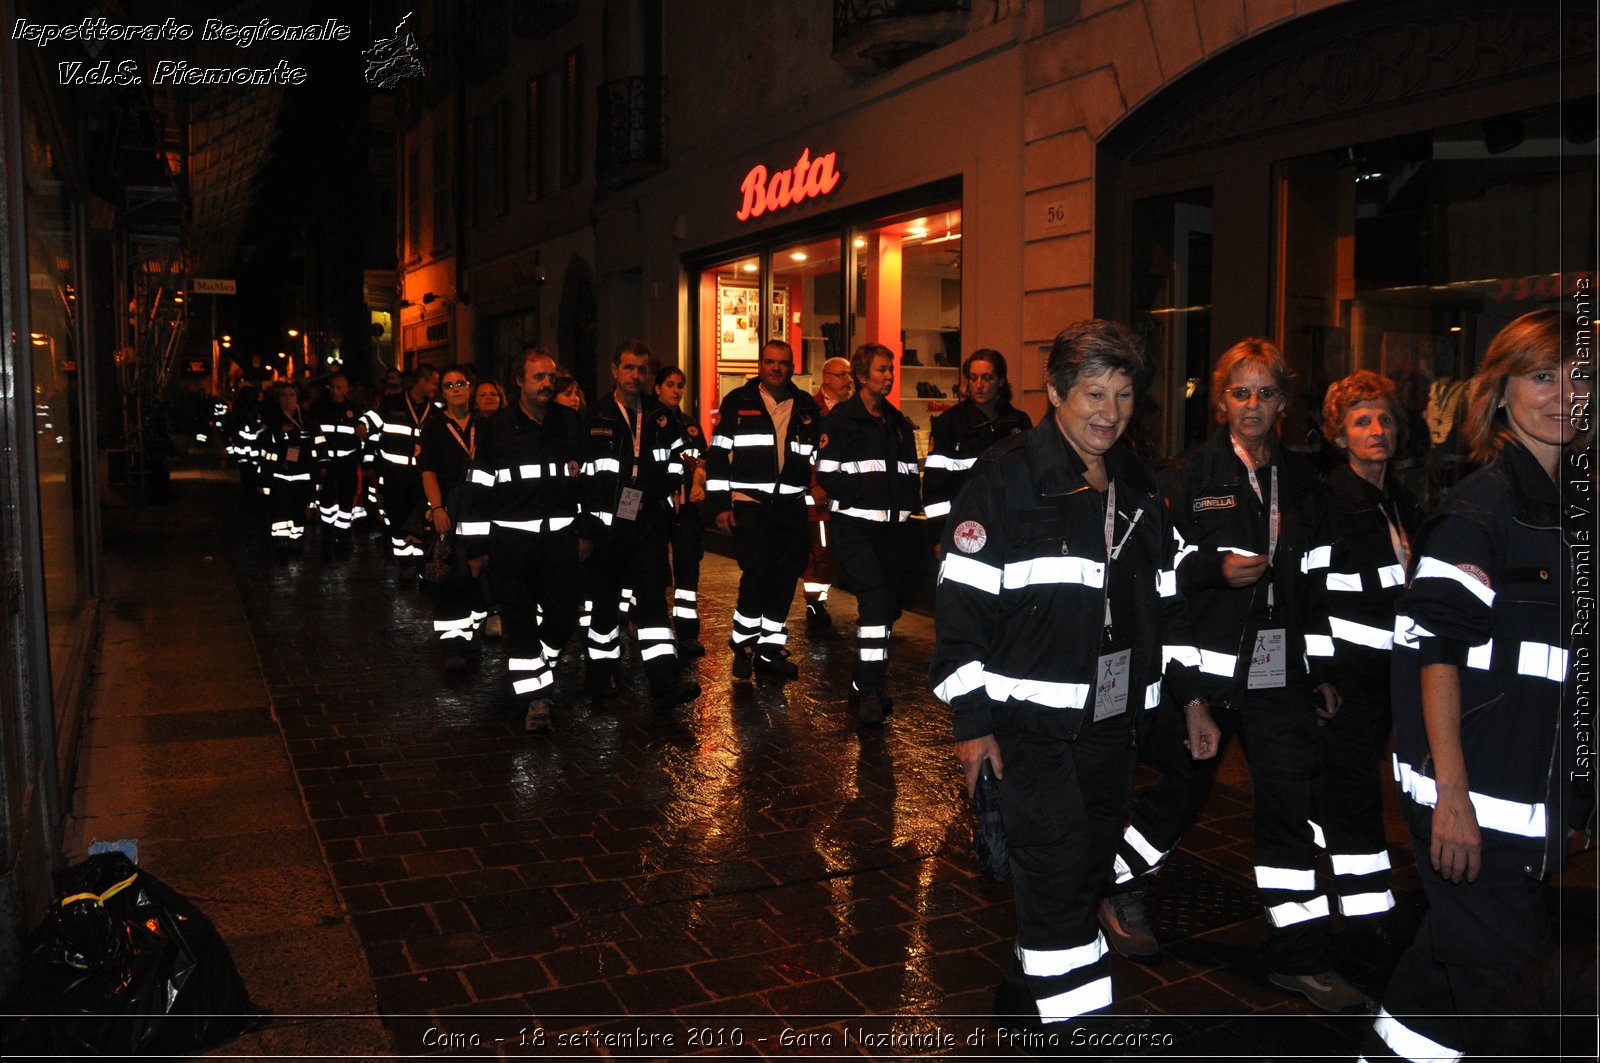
(123, 965)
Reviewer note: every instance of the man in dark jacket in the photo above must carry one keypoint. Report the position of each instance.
(633, 472)
(402, 417)
(759, 466)
(338, 431)
(519, 514)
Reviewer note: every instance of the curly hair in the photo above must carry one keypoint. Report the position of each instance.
(1361, 386)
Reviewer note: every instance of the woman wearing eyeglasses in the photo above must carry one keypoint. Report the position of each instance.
(1246, 511)
(449, 444)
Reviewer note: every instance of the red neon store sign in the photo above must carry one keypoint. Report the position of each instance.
(809, 179)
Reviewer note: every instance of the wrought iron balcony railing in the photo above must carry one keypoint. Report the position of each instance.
(631, 141)
(880, 34)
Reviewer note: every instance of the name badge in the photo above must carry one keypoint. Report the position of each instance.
(1111, 685)
(628, 504)
(293, 455)
(1269, 661)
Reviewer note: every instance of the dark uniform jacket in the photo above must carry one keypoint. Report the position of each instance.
(743, 456)
(1488, 596)
(960, 436)
(1021, 601)
(610, 464)
(444, 455)
(336, 440)
(1363, 577)
(400, 433)
(526, 478)
(286, 446)
(1215, 512)
(868, 465)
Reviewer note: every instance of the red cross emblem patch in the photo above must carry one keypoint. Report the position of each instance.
(970, 537)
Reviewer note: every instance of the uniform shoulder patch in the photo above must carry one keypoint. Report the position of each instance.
(822, 441)
(1214, 502)
(970, 536)
(661, 420)
(1478, 574)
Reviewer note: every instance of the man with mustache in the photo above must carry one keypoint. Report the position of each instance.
(520, 515)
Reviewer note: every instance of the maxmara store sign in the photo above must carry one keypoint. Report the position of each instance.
(809, 179)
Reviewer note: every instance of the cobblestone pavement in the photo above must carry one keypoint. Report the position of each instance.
(757, 865)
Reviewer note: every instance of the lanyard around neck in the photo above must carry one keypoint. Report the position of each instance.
(469, 444)
(1273, 516)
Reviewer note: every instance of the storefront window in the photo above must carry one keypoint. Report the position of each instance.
(1171, 288)
(53, 309)
(1406, 255)
(807, 293)
(906, 295)
(908, 298)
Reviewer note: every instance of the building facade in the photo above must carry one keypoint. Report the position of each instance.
(1371, 185)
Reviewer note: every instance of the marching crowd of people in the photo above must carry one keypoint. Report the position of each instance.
(1092, 613)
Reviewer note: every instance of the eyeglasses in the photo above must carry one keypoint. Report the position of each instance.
(1266, 394)
(451, 385)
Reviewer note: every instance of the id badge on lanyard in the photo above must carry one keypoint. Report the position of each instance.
(1269, 660)
(632, 498)
(1113, 671)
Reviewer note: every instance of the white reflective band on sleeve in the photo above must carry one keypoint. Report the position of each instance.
(745, 485)
(1215, 663)
(1049, 963)
(1496, 813)
(1167, 583)
(1152, 695)
(1360, 863)
(1366, 903)
(722, 442)
(1285, 878)
(717, 485)
(1187, 656)
(1433, 568)
(1319, 646)
(1408, 1043)
(937, 461)
(1481, 656)
(1295, 912)
(1060, 569)
(936, 509)
(1069, 1005)
(973, 573)
(1407, 631)
(854, 467)
(963, 680)
(396, 459)
(1542, 661)
(606, 465)
(1344, 581)
(1391, 575)
(906, 468)
(805, 450)
(1036, 691)
(791, 489)
(1317, 557)
(1360, 634)
(872, 631)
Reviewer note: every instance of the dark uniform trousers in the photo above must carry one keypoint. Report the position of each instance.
(1063, 804)
(633, 554)
(1278, 729)
(870, 555)
(1347, 784)
(688, 549)
(534, 576)
(338, 491)
(770, 542)
(1474, 941)
(458, 602)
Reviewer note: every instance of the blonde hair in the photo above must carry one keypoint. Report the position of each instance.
(1256, 350)
(1530, 343)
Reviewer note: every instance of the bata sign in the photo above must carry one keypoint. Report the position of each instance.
(810, 179)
